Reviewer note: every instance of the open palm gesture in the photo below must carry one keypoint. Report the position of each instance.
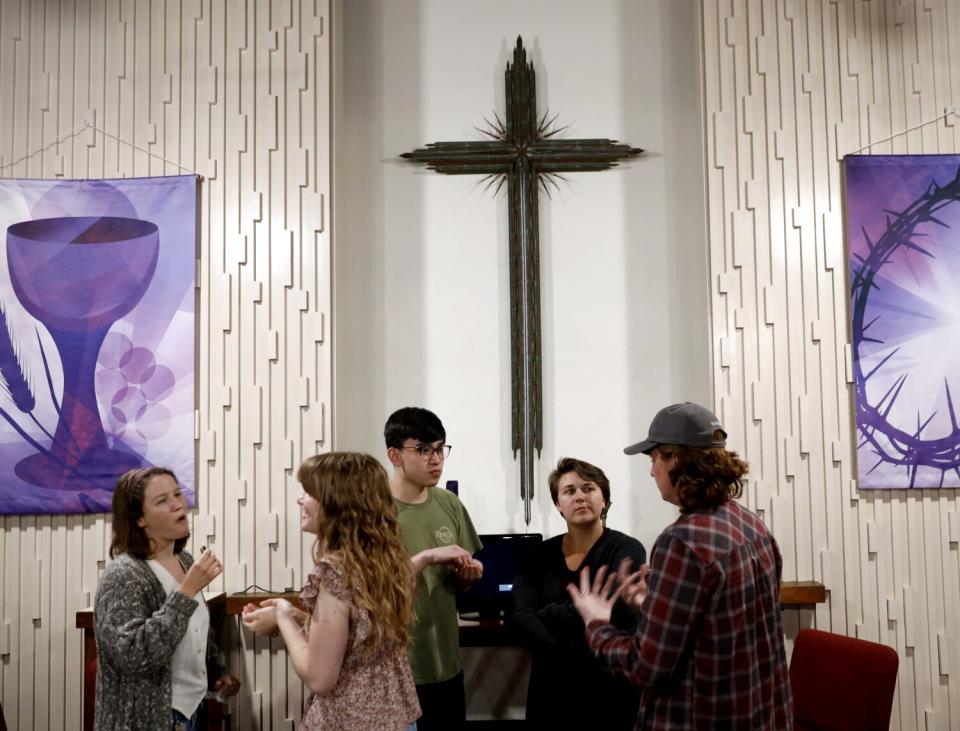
(633, 583)
(595, 599)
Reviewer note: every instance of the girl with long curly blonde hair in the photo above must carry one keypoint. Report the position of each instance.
(349, 647)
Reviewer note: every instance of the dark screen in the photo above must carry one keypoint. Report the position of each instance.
(502, 556)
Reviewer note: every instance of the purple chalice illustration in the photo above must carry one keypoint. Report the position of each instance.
(78, 276)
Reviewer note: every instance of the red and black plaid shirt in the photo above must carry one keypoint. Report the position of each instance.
(708, 652)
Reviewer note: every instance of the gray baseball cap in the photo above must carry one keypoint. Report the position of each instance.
(686, 425)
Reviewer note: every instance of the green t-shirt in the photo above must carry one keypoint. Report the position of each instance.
(441, 520)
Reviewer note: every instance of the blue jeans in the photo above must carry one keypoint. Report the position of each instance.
(182, 723)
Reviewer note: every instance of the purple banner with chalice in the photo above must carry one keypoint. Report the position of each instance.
(97, 306)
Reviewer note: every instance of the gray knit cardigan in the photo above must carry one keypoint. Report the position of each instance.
(138, 627)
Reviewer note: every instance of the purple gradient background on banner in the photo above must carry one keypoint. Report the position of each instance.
(144, 375)
(914, 313)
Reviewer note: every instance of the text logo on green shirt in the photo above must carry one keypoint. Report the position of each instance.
(444, 534)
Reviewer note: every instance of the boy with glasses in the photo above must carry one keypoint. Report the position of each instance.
(441, 540)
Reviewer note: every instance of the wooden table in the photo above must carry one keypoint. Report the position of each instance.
(486, 633)
(234, 603)
(802, 594)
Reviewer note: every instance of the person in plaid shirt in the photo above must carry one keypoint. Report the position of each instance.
(708, 652)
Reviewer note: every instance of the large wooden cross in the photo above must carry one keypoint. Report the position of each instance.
(524, 153)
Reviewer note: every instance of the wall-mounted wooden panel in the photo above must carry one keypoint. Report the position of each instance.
(790, 88)
(240, 93)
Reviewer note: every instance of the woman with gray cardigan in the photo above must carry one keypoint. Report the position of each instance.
(156, 659)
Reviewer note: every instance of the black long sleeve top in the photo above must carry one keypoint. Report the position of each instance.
(567, 684)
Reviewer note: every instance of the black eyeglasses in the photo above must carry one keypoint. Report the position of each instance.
(426, 451)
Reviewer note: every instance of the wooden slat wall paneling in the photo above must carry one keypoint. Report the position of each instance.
(240, 93)
(790, 88)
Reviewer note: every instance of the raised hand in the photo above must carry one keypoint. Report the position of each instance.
(595, 600)
(633, 585)
(204, 570)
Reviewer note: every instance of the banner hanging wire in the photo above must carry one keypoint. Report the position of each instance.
(87, 125)
(948, 111)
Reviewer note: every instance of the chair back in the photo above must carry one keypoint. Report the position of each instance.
(841, 683)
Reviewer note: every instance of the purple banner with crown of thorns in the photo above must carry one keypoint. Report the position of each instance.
(903, 234)
(97, 308)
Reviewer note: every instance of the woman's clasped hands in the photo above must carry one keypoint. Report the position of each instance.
(261, 619)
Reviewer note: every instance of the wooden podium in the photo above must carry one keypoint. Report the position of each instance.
(213, 709)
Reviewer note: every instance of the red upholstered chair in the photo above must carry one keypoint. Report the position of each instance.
(841, 683)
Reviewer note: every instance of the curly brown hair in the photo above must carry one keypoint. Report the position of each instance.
(359, 523)
(704, 478)
(128, 537)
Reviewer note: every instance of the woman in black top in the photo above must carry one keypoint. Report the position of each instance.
(567, 685)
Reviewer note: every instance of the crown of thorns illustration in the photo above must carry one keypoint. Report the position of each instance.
(891, 444)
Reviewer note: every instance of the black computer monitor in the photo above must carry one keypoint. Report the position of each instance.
(502, 556)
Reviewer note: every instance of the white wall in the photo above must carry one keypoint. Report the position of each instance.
(421, 296)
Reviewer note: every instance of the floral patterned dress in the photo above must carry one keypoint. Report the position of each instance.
(375, 688)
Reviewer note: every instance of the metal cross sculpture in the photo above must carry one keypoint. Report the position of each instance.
(523, 152)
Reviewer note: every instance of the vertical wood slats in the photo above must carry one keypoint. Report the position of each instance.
(239, 92)
(814, 81)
